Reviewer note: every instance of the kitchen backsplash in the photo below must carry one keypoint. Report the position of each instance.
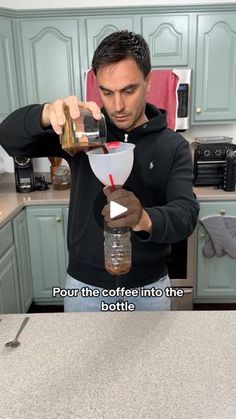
(40, 164)
(211, 130)
(43, 164)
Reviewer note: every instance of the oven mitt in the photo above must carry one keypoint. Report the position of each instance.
(221, 230)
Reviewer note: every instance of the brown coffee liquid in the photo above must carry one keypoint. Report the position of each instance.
(77, 148)
(122, 269)
(104, 149)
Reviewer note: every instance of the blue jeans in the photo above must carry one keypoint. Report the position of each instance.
(159, 302)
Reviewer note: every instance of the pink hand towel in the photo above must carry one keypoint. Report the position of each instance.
(163, 92)
(91, 88)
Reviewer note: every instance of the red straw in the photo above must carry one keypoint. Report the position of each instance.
(112, 182)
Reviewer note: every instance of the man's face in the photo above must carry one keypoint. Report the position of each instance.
(123, 91)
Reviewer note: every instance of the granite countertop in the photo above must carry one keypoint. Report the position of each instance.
(12, 202)
(119, 365)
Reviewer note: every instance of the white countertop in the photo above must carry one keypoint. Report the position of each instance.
(119, 365)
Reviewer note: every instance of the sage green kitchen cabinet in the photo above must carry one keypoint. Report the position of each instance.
(215, 83)
(168, 38)
(215, 277)
(9, 281)
(50, 50)
(8, 82)
(21, 240)
(49, 59)
(97, 28)
(94, 29)
(47, 251)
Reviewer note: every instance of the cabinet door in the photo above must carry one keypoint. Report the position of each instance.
(8, 84)
(215, 98)
(93, 30)
(168, 37)
(9, 288)
(216, 276)
(97, 28)
(47, 248)
(23, 260)
(50, 59)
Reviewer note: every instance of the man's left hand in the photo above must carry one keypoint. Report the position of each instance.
(135, 216)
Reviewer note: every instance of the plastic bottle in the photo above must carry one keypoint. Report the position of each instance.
(117, 249)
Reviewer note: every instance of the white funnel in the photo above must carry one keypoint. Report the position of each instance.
(118, 163)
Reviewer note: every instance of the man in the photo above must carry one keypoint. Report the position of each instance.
(158, 193)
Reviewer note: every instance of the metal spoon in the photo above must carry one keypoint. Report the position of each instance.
(14, 343)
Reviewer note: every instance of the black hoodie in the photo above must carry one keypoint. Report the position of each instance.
(161, 179)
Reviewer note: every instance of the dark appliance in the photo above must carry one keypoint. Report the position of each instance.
(230, 172)
(24, 174)
(211, 165)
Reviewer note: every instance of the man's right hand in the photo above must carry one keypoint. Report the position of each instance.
(53, 113)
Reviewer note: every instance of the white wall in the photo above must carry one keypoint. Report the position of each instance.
(45, 4)
(43, 164)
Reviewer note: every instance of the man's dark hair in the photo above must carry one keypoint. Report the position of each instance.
(122, 45)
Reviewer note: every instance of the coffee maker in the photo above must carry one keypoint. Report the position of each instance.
(24, 174)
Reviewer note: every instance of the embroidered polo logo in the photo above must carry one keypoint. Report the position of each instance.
(151, 165)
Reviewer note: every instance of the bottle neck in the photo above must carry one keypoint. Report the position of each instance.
(116, 230)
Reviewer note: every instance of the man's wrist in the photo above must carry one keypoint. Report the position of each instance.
(145, 223)
(44, 121)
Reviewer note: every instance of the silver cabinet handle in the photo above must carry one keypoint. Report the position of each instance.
(222, 212)
(58, 220)
(199, 110)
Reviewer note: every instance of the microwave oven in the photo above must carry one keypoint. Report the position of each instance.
(183, 98)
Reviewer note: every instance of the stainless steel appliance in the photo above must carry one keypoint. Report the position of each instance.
(183, 93)
(24, 174)
(181, 268)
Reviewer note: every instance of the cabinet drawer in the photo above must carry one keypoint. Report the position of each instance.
(6, 238)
